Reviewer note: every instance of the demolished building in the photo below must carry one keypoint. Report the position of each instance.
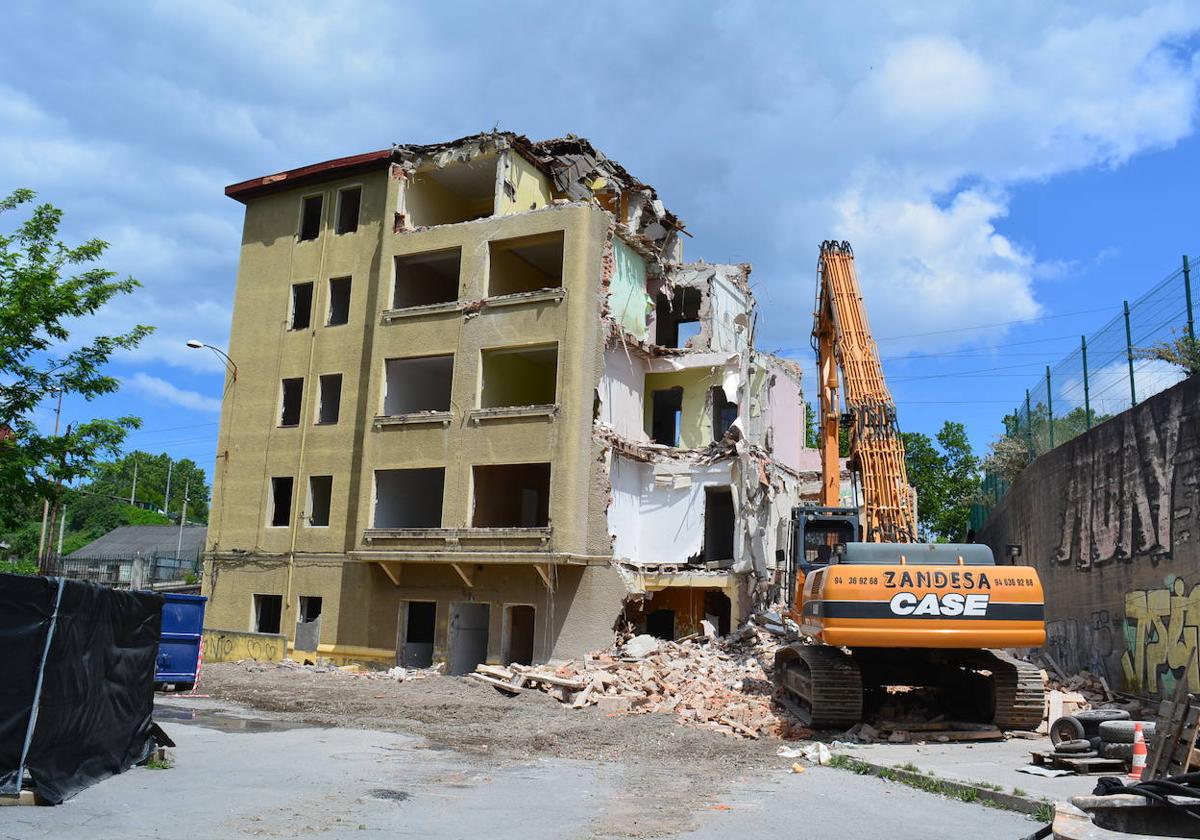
(484, 411)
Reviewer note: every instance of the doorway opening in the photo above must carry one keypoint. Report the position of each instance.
(518, 626)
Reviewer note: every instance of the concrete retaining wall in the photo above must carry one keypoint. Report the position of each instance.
(1111, 520)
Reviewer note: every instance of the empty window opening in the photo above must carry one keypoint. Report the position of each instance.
(425, 279)
(512, 496)
(519, 376)
(413, 385)
(724, 413)
(667, 417)
(661, 624)
(519, 624)
(339, 301)
(330, 402)
(526, 264)
(417, 643)
(409, 498)
(670, 313)
(348, 204)
(310, 218)
(320, 494)
(291, 396)
(459, 192)
(718, 526)
(310, 607)
(268, 609)
(468, 637)
(302, 297)
(281, 501)
(717, 610)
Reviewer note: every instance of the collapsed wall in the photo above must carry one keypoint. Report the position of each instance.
(1111, 521)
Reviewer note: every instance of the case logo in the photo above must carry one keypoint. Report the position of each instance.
(952, 603)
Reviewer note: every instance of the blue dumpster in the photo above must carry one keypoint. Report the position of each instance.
(179, 644)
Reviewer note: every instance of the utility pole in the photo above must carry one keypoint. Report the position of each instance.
(167, 495)
(182, 517)
(133, 489)
(62, 527)
(46, 502)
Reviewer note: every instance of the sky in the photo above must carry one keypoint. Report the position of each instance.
(1007, 172)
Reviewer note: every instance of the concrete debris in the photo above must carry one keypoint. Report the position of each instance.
(719, 684)
(323, 665)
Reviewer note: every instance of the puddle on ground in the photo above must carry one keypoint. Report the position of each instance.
(388, 794)
(225, 721)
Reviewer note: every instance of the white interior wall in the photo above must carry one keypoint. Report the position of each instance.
(622, 391)
(728, 302)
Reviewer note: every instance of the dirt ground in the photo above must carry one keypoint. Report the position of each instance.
(672, 771)
(464, 715)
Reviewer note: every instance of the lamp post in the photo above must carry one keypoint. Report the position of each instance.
(229, 363)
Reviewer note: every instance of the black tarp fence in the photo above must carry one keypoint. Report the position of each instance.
(76, 682)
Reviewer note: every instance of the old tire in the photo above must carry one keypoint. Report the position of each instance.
(1092, 718)
(1122, 751)
(1121, 731)
(1066, 728)
(1074, 747)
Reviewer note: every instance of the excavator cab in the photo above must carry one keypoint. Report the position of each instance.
(817, 533)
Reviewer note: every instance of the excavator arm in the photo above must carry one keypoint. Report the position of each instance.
(843, 341)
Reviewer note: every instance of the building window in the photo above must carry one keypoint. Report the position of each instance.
(724, 413)
(310, 218)
(302, 296)
(526, 264)
(511, 496)
(667, 416)
(518, 376)
(348, 203)
(677, 318)
(458, 192)
(310, 608)
(414, 385)
(320, 492)
(409, 498)
(339, 301)
(425, 279)
(281, 501)
(291, 396)
(329, 404)
(268, 610)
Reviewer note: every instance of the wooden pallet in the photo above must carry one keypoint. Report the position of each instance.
(1082, 766)
(1173, 748)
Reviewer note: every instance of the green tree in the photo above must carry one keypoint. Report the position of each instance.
(812, 434)
(1183, 350)
(115, 478)
(945, 473)
(44, 286)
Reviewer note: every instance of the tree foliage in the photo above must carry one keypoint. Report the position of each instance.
(812, 434)
(1182, 350)
(44, 285)
(945, 473)
(115, 478)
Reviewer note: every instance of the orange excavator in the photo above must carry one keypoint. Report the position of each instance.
(881, 609)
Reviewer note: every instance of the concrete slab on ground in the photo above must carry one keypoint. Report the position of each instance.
(993, 762)
(240, 773)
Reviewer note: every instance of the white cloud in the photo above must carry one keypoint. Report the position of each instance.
(1108, 386)
(163, 391)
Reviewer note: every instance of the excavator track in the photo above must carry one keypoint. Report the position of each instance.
(1019, 695)
(822, 685)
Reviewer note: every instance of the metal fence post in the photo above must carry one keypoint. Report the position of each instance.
(1087, 402)
(1129, 356)
(1187, 290)
(1049, 407)
(1029, 423)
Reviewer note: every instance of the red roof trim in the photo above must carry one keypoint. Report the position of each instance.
(325, 171)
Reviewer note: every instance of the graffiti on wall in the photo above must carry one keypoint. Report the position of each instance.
(1087, 645)
(1122, 484)
(1162, 629)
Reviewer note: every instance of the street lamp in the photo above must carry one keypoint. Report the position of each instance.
(200, 345)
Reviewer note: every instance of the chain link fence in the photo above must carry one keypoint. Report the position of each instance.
(1108, 373)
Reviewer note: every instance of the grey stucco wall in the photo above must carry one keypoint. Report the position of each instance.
(1111, 520)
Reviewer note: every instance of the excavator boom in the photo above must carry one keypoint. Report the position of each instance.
(843, 341)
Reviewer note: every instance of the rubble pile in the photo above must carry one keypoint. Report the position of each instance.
(324, 666)
(718, 684)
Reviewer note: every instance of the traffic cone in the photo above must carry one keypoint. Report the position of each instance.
(1139, 753)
